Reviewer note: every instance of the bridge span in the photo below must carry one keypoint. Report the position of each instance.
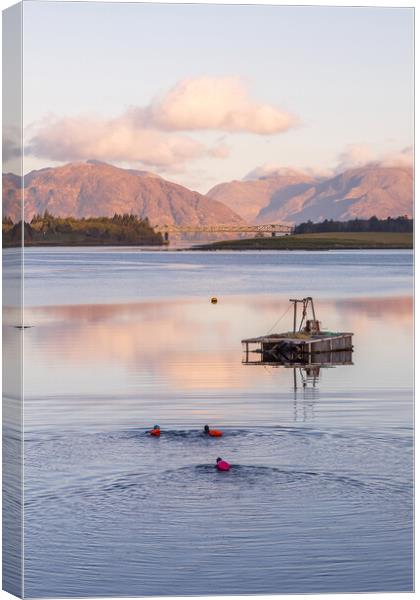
(272, 229)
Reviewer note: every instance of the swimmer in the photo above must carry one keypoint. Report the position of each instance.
(222, 465)
(155, 432)
(212, 432)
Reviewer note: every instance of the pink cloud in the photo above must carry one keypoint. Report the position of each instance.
(354, 155)
(220, 151)
(404, 158)
(218, 103)
(273, 169)
(154, 134)
(119, 139)
(361, 155)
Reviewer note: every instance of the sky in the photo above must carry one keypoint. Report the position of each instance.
(208, 93)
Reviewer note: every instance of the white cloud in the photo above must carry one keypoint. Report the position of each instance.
(220, 151)
(11, 144)
(84, 137)
(354, 155)
(361, 155)
(153, 135)
(272, 169)
(218, 103)
(404, 158)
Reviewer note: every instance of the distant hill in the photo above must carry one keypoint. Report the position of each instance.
(295, 197)
(96, 189)
(11, 185)
(363, 192)
(249, 197)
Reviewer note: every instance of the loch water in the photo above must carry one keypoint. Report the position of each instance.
(319, 498)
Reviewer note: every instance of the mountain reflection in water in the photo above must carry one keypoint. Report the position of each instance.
(181, 360)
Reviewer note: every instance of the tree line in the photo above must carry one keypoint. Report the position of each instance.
(121, 229)
(390, 225)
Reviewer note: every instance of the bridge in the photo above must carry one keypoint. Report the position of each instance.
(272, 229)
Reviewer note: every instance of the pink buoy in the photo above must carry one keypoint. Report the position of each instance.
(222, 465)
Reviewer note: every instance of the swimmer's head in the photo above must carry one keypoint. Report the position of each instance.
(218, 459)
(156, 427)
(206, 429)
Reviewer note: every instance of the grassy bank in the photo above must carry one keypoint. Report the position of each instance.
(318, 241)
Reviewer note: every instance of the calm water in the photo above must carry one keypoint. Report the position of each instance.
(320, 495)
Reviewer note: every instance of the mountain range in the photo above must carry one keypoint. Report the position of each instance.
(94, 188)
(295, 197)
(250, 196)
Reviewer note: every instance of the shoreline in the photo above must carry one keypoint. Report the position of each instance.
(318, 242)
(341, 248)
(210, 249)
(301, 242)
(82, 245)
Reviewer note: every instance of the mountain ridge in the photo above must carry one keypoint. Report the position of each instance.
(93, 189)
(297, 197)
(251, 195)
